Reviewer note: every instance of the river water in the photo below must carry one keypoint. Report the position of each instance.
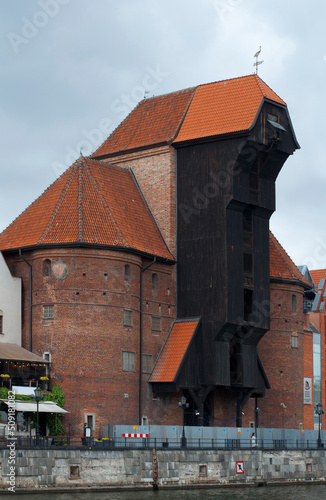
(296, 492)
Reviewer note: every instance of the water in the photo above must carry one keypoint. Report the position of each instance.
(296, 492)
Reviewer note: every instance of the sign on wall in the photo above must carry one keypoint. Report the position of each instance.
(239, 467)
(307, 391)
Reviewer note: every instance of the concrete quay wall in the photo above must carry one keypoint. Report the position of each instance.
(79, 468)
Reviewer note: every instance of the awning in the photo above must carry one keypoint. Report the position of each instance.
(31, 407)
(16, 353)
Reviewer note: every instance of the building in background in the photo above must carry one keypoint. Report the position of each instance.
(149, 265)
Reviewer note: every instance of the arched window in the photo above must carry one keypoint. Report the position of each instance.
(46, 267)
(127, 272)
(294, 303)
(1, 322)
(154, 281)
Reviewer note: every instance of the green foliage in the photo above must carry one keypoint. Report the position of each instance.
(54, 421)
(3, 393)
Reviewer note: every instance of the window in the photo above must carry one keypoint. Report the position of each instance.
(74, 471)
(90, 420)
(247, 303)
(127, 272)
(1, 322)
(127, 317)
(147, 363)
(128, 361)
(294, 303)
(203, 470)
(48, 312)
(247, 263)
(156, 323)
(294, 341)
(46, 267)
(154, 281)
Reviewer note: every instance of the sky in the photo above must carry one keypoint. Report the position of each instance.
(71, 70)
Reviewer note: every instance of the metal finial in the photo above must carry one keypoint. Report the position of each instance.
(257, 62)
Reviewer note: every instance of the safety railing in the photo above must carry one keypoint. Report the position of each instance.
(162, 443)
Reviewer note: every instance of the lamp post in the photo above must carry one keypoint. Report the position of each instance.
(183, 403)
(37, 393)
(320, 412)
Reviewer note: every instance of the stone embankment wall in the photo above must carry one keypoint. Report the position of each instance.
(61, 468)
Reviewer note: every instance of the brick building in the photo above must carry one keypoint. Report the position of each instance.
(150, 264)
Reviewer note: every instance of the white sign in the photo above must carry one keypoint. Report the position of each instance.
(307, 391)
(239, 467)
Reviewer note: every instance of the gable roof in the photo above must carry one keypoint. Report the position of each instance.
(317, 275)
(91, 203)
(153, 121)
(225, 107)
(281, 265)
(204, 111)
(173, 352)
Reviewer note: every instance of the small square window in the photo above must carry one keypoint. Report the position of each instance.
(48, 312)
(147, 363)
(308, 468)
(294, 341)
(203, 470)
(74, 471)
(128, 361)
(156, 323)
(127, 317)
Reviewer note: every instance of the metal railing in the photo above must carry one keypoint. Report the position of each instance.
(162, 443)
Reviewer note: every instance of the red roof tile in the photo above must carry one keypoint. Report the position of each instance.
(153, 121)
(174, 350)
(204, 111)
(317, 275)
(225, 107)
(281, 265)
(92, 202)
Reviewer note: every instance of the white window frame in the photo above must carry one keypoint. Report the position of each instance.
(48, 311)
(128, 317)
(128, 361)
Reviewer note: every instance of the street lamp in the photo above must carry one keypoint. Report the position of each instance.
(37, 396)
(320, 412)
(183, 403)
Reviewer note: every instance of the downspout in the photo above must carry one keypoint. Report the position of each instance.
(30, 299)
(142, 270)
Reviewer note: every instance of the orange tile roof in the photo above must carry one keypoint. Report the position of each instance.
(94, 203)
(153, 121)
(317, 275)
(207, 110)
(225, 107)
(174, 350)
(281, 265)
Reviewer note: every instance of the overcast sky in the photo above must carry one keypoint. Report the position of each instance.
(72, 69)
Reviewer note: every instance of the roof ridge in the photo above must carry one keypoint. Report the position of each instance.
(106, 206)
(74, 167)
(176, 92)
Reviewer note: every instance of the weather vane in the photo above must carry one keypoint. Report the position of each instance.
(257, 62)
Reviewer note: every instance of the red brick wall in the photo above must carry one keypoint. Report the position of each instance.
(155, 170)
(284, 365)
(86, 337)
